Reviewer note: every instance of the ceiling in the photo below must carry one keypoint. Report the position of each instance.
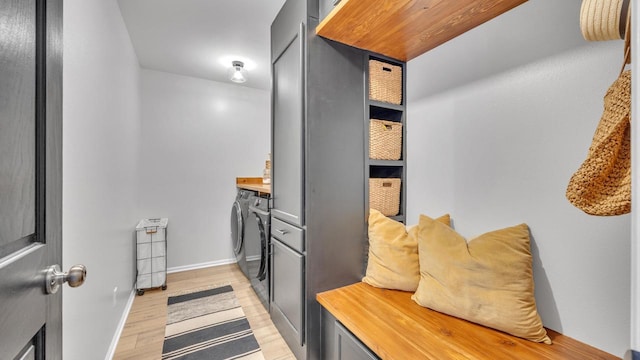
(193, 37)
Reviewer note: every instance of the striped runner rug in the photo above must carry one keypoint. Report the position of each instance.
(208, 324)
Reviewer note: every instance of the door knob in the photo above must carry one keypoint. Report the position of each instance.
(54, 277)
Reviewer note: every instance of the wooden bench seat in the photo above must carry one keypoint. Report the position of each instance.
(394, 327)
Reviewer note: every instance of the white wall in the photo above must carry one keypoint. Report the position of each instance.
(498, 149)
(197, 137)
(101, 138)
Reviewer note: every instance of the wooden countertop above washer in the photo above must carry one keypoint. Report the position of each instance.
(254, 184)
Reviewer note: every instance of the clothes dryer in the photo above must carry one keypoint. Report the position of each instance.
(257, 246)
(239, 213)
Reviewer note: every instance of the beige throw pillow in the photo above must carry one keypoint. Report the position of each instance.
(393, 253)
(488, 280)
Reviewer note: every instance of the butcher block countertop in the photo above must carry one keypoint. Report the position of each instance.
(254, 184)
(394, 327)
(405, 29)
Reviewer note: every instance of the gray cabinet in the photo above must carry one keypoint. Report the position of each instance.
(288, 96)
(348, 347)
(317, 171)
(289, 235)
(287, 290)
(338, 343)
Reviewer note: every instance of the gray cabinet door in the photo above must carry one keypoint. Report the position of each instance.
(288, 132)
(287, 289)
(348, 347)
(30, 177)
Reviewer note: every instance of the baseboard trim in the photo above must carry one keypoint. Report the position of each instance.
(120, 328)
(201, 265)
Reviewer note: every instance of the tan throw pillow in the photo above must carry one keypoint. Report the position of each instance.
(488, 280)
(393, 253)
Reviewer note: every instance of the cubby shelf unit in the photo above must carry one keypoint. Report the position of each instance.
(392, 112)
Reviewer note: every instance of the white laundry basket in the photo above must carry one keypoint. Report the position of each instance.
(151, 254)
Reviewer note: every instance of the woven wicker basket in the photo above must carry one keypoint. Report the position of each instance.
(385, 82)
(385, 140)
(384, 195)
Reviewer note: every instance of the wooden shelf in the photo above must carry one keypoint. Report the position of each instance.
(385, 105)
(399, 218)
(405, 29)
(375, 162)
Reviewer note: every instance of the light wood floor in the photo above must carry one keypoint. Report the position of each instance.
(143, 333)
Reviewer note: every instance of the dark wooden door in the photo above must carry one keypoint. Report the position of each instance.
(30, 177)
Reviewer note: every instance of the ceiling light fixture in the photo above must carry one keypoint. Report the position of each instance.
(237, 72)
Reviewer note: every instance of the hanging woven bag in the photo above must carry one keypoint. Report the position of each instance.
(602, 185)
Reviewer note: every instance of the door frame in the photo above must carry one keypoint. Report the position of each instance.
(49, 99)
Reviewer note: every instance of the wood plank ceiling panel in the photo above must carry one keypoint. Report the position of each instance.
(405, 29)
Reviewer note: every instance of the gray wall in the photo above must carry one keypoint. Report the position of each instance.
(197, 137)
(140, 143)
(101, 133)
(498, 121)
